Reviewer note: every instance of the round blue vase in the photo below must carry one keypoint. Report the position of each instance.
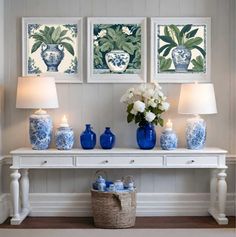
(40, 131)
(64, 138)
(88, 138)
(168, 140)
(146, 136)
(196, 133)
(107, 139)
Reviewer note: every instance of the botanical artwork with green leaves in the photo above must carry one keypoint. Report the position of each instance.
(52, 48)
(116, 48)
(181, 48)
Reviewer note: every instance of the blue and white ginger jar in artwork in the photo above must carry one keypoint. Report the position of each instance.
(196, 133)
(117, 60)
(64, 138)
(181, 58)
(168, 140)
(40, 131)
(52, 55)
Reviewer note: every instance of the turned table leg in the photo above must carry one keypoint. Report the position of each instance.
(15, 175)
(222, 191)
(24, 184)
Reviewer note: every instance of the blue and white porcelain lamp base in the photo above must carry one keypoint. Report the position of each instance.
(40, 130)
(196, 133)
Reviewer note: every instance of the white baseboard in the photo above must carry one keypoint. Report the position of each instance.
(4, 207)
(148, 204)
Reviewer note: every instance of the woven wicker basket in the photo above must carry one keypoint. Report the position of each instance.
(114, 210)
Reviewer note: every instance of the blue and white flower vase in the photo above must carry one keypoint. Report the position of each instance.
(64, 138)
(168, 140)
(117, 60)
(146, 136)
(88, 138)
(107, 139)
(196, 133)
(52, 55)
(40, 131)
(181, 58)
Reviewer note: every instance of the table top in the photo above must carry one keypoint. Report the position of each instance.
(29, 151)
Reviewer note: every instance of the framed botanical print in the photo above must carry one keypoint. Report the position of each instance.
(180, 49)
(53, 47)
(116, 50)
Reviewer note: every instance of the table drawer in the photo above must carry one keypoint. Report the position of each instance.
(46, 161)
(192, 161)
(119, 161)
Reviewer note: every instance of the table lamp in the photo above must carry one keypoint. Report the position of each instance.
(38, 93)
(196, 99)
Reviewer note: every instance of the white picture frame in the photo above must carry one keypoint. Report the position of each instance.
(70, 67)
(98, 70)
(158, 72)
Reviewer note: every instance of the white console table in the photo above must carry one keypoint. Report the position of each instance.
(208, 158)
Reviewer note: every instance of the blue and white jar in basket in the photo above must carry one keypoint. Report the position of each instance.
(64, 138)
(168, 140)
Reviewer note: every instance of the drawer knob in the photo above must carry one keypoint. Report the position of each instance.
(45, 162)
(132, 161)
(105, 161)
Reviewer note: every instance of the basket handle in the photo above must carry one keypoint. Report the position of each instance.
(121, 200)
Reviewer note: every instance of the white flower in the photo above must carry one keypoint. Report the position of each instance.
(164, 106)
(148, 93)
(130, 90)
(95, 43)
(139, 106)
(149, 116)
(95, 37)
(152, 103)
(133, 111)
(126, 30)
(102, 33)
(160, 93)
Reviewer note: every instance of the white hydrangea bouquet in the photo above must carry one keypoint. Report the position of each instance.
(145, 104)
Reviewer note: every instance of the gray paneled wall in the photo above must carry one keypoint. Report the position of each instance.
(99, 104)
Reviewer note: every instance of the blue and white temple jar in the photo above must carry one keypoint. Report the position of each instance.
(64, 138)
(168, 140)
(196, 133)
(40, 131)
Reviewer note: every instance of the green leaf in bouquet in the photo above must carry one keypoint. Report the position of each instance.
(130, 118)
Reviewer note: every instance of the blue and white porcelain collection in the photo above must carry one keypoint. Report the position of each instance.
(126, 184)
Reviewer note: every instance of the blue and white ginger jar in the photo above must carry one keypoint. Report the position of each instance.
(64, 138)
(168, 140)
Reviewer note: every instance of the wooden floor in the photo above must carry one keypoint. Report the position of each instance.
(141, 223)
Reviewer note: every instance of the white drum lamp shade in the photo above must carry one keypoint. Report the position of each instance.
(36, 93)
(197, 99)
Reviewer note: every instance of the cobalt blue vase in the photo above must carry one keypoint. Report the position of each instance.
(88, 138)
(107, 139)
(146, 136)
